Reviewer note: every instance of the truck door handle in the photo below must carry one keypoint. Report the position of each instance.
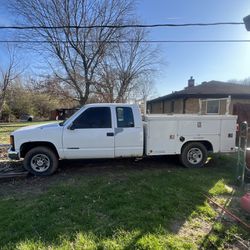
(110, 134)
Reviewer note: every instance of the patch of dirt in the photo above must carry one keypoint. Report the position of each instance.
(232, 204)
(194, 229)
(199, 229)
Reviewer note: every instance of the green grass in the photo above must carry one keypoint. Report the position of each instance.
(125, 209)
(7, 128)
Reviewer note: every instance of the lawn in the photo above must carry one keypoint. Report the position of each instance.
(7, 128)
(153, 204)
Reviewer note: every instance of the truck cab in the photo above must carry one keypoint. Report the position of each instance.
(104, 131)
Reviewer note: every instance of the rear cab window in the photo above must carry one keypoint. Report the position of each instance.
(125, 117)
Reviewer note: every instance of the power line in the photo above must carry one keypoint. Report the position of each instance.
(121, 26)
(129, 41)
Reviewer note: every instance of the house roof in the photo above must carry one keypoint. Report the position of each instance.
(212, 89)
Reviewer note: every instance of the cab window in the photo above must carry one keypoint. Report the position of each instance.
(99, 117)
(125, 118)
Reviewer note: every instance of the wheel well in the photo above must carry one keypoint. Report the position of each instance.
(26, 147)
(207, 144)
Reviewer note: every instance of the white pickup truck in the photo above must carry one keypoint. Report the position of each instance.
(117, 130)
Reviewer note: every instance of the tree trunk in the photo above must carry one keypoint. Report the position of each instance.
(2, 99)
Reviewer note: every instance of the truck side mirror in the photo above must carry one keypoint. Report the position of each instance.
(71, 126)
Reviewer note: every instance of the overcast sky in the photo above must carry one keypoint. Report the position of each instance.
(206, 61)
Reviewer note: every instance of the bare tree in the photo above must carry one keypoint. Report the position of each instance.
(127, 66)
(79, 51)
(245, 81)
(54, 87)
(9, 73)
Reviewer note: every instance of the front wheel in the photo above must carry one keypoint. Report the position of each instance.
(41, 161)
(194, 154)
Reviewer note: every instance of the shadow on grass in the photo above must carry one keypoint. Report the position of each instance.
(110, 204)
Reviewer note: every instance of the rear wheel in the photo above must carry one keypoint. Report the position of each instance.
(194, 154)
(41, 161)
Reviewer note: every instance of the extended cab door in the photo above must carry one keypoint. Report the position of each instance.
(128, 132)
(91, 135)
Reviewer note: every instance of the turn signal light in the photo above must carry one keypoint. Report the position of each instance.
(12, 143)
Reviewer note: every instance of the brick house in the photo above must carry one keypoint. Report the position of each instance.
(206, 98)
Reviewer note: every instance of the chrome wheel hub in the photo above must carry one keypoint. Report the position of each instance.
(40, 163)
(194, 155)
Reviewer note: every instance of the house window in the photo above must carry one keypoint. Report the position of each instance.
(213, 107)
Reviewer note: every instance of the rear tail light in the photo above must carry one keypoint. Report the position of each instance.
(12, 143)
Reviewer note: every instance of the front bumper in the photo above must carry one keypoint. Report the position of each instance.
(13, 155)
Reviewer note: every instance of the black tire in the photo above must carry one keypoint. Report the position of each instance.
(194, 155)
(41, 161)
